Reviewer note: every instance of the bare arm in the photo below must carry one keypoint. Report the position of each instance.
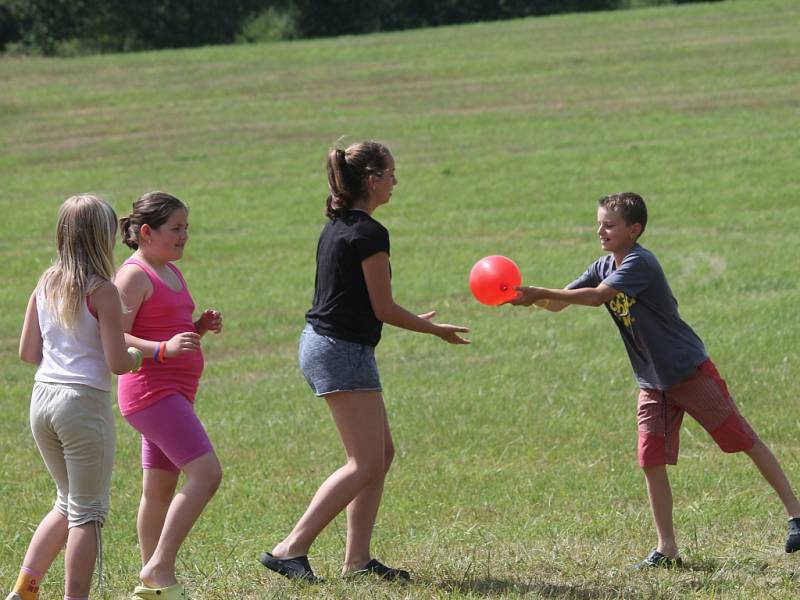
(30, 340)
(106, 303)
(379, 286)
(134, 288)
(557, 300)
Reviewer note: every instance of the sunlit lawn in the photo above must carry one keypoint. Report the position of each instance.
(516, 473)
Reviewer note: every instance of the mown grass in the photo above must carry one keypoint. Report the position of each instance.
(515, 474)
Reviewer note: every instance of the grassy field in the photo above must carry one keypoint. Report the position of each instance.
(516, 473)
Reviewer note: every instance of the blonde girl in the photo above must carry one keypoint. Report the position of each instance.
(73, 334)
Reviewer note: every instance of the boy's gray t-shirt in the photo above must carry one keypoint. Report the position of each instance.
(662, 348)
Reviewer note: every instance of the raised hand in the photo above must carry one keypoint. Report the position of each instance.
(210, 320)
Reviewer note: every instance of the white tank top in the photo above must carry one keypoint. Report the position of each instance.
(72, 355)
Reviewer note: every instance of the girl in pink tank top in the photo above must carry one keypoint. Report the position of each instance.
(158, 401)
(165, 314)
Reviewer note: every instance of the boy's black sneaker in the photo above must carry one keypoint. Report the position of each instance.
(291, 568)
(657, 560)
(376, 568)
(793, 538)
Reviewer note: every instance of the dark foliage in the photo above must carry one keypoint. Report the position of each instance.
(81, 26)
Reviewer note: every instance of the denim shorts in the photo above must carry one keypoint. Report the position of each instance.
(331, 364)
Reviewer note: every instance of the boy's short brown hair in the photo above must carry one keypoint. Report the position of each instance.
(629, 205)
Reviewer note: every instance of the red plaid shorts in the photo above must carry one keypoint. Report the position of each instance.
(705, 397)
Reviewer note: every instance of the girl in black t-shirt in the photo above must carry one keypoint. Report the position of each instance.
(352, 300)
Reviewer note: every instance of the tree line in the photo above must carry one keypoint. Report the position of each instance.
(70, 27)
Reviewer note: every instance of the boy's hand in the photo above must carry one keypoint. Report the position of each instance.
(527, 295)
(210, 320)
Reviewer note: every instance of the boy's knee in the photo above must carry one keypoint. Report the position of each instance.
(652, 469)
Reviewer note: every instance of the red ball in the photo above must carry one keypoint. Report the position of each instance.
(492, 280)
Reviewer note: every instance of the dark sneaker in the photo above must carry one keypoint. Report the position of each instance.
(793, 538)
(658, 560)
(376, 568)
(291, 568)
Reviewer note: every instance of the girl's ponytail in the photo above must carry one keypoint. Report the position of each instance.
(340, 196)
(128, 237)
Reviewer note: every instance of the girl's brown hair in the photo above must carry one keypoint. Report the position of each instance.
(348, 170)
(152, 209)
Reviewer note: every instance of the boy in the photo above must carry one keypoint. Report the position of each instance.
(670, 364)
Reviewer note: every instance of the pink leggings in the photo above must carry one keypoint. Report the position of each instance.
(172, 435)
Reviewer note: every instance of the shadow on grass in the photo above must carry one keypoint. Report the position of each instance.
(492, 587)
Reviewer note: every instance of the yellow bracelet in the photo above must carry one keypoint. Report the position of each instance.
(545, 305)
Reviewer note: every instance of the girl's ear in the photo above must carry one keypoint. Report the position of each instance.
(145, 231)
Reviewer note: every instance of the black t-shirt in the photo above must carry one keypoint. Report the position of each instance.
(341, 306)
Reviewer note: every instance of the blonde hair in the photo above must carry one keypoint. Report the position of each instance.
(85, 234)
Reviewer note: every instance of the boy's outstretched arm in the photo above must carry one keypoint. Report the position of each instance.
(557, 300)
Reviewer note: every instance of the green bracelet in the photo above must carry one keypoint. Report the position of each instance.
(136, 355)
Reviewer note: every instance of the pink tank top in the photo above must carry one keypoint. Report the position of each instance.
(164, 314)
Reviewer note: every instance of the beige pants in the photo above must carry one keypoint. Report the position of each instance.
(73, 426)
